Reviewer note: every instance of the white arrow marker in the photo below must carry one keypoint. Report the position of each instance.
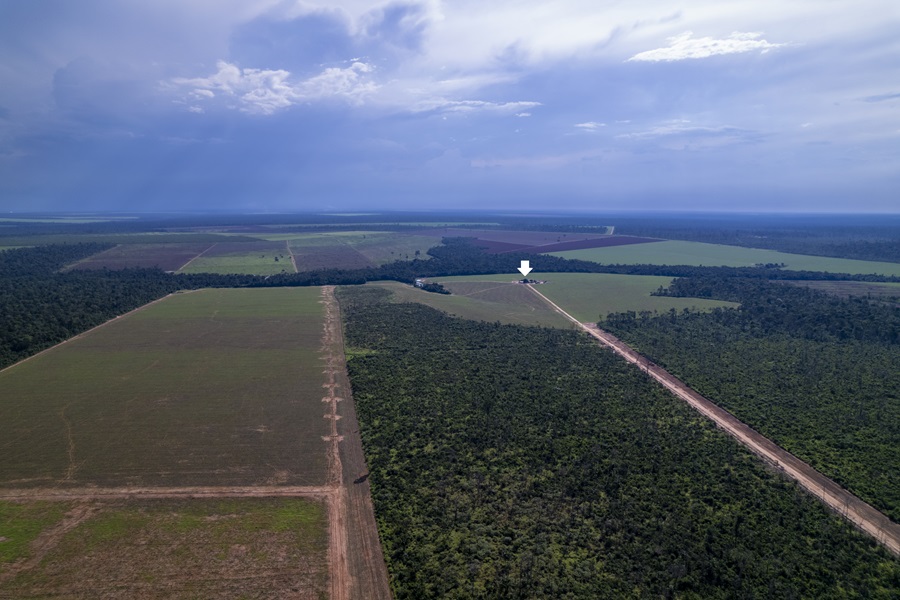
(525, 269)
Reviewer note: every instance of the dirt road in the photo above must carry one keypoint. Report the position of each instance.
(864, 516)
(359, 570)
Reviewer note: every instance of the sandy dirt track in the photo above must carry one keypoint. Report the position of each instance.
(358, 570)
(864, 516)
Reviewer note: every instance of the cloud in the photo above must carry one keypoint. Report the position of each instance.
(590, 126)
(266, 91)
(680, 134)
(458, 106)
(684, 46)
(881, 97)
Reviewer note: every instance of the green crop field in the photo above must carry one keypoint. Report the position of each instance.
(216, 387)
(586, 296)
(198, 548)
(696, 253)
(511, 305)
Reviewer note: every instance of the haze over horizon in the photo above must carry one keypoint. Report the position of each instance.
(267, 105)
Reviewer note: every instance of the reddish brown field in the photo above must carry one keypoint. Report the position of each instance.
(501, 242)
(613, 240)
(523, 238)
(168, 257)
(492, 247)
(310, 258)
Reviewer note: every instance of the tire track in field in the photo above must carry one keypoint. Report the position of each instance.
(70, 444)
(287, 244)
(862, 515)
(48, 539)
(185, 265)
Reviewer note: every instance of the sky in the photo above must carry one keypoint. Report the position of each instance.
(314, 105)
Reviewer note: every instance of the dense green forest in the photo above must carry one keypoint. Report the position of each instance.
(816, 374)
(517, 462)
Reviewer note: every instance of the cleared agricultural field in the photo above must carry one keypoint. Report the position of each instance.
(166, 256)
(383, 248)
(586, 296)
(119, 238)
(216, 387)
(172, 548)
(356, 249)
(511, 304)
(696, 253)
(846, 289)
(250, 258)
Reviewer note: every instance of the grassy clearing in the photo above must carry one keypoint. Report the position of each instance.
(696, 253)
(217, 387)
(586, 296)
(513, 304)
(236, 548)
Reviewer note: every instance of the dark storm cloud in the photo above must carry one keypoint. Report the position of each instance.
(296, 105)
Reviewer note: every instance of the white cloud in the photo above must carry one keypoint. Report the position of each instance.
(680, 134)
(445, 105)
(685, 46)
(266, 91)
(523, 114)
(590, 125)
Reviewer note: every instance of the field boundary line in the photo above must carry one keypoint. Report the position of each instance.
(287, 244)
(151, 493)
(184, 266)
(862, 515)
(96, 327)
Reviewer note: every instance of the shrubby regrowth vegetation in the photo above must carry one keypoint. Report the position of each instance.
(516, 462)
